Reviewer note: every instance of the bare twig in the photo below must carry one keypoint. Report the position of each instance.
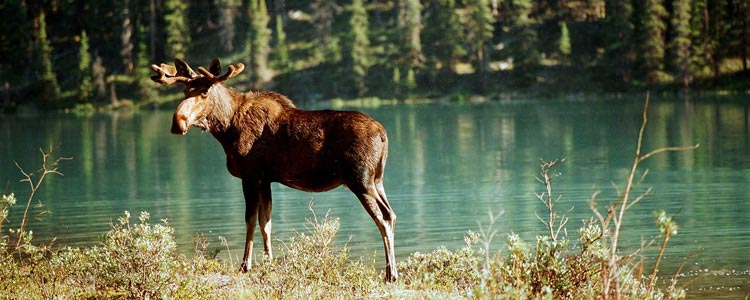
(487, 234)
(616, 211)
(48, 167)
(552, 224)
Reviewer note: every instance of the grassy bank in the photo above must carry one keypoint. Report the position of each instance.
(137, 259)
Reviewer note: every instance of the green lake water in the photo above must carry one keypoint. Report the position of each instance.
(449, 165)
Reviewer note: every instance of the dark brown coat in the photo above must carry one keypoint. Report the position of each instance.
(267, 139)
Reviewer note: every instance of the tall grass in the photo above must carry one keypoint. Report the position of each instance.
(138, 260)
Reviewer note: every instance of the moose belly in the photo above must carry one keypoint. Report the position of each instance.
(311, 182)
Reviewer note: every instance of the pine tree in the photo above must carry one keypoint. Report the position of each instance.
(743, 31)
(412, 45)
(651, 48)
(144, 87)
(524, 48)
(360, 53)
(176, 26)
(259, 43)
(479, 32)
(281, 50)
(700, 41)
(442, 45)
(680, 41)
(15, 50)
(619, 51)
(325, 47)
(49, 90)
(227, 14)
(126, 43)
(719, 27)
(85, 84)
(563, 44)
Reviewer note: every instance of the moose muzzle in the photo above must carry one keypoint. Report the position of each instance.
(187, 112)
(179, 124)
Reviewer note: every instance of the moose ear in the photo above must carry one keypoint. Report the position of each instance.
(215, 67)
(183, 69)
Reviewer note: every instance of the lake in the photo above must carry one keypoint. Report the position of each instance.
(450, 164)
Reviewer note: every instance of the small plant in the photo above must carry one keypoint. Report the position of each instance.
(444, 270)
(35, 180)
(546, 174)
(312, 267)
(611, 222)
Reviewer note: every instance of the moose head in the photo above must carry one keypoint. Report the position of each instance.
(202, 92)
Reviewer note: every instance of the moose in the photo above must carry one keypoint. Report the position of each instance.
(267, 139)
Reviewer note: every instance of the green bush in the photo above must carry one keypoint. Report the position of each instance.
(312, 267)
(444, 270)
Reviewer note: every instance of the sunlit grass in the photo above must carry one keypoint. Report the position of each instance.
(138, 260)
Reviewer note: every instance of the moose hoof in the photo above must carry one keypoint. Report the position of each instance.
(243, 267)
(391, 277)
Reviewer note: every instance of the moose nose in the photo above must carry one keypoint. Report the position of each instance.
(179, 124)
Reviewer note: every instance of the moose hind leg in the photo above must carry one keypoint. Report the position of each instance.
(264, 218)
(250, 191)
(380, 211)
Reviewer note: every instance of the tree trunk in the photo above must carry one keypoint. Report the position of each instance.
(152, 29)
(126, 52)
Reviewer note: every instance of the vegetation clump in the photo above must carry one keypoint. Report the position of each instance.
(139, 260)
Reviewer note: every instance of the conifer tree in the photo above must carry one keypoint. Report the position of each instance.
(619, 39)
(651, 48)
(564, 41)
(281, 50)
(176, 27)
(680, 41)
(411, 30)
(259, 43)
(442, 46)
(360, 53)
(126, 42)
(719, 26)
(524, 47)
(700, 41)
(227, 14)
(141, 77)
(479, 31)
(49, 90)
(326, 47)
(743, 32)
(85, 84)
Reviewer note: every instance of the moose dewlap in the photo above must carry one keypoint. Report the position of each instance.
(267, 139)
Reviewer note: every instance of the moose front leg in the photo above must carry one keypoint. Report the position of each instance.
(250, 189)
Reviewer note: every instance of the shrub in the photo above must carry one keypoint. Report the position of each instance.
(312, 267)
(444, 270)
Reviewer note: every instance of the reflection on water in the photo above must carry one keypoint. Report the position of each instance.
(449, 165)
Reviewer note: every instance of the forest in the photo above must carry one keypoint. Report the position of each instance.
(64, 53)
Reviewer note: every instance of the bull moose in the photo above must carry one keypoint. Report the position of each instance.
(267, 139)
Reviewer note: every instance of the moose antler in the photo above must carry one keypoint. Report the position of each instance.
(215, 67)
(180, 72)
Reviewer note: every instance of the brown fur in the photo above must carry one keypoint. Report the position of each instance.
(267, 139)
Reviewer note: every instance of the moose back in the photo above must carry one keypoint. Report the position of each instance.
(267, 139)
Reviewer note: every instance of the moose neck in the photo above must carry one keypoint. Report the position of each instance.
(224, 101)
